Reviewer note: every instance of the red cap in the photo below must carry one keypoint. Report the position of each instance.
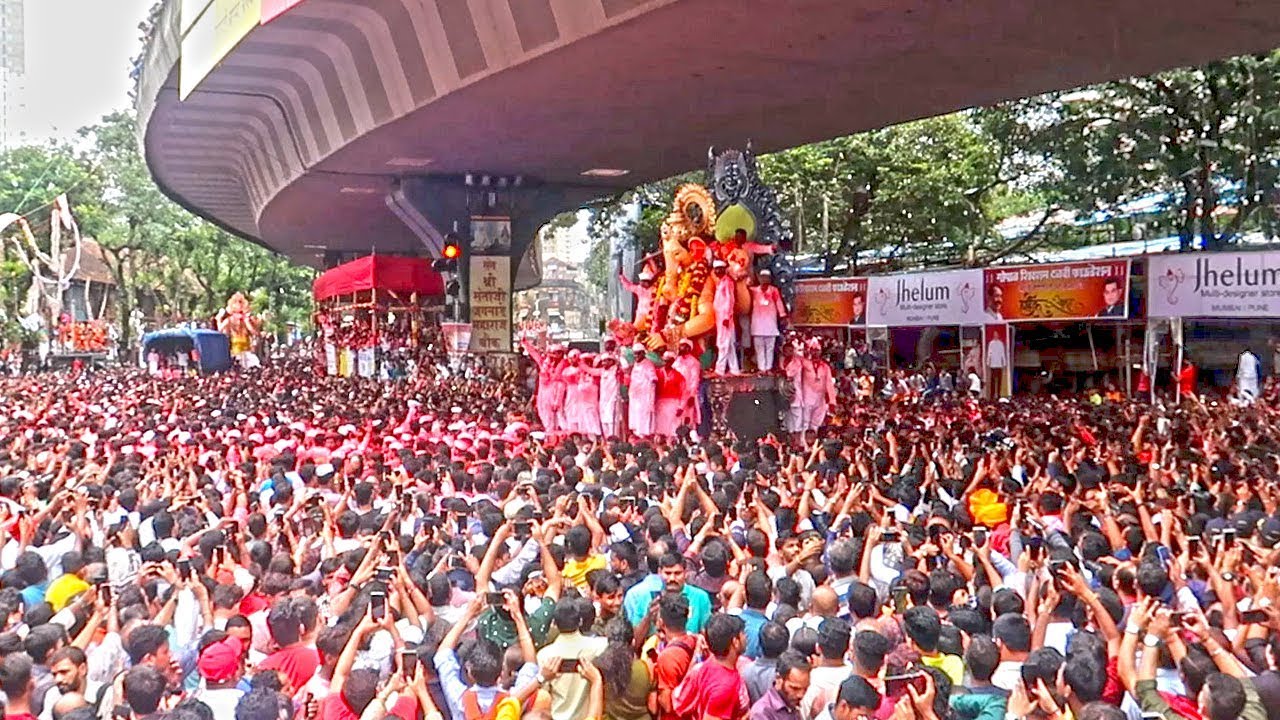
(220, 661)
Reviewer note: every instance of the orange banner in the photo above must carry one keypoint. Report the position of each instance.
(830, 301)
(1063, 291)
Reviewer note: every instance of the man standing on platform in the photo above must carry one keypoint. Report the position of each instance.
(643, 393)
(689, 367)
(726, 333)
(766, 309)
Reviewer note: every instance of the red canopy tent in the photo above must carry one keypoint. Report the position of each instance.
(392, 273)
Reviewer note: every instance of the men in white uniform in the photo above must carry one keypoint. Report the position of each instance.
(1248, 372)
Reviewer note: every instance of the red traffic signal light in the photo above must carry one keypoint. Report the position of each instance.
(452, 251)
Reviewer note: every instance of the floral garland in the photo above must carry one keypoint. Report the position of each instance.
(691, 284)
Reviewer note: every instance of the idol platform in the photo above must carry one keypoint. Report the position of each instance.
(748, 406)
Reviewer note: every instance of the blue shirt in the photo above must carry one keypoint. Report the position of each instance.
(754, 620)
(636, 602)
(450, 674)
(34, 594)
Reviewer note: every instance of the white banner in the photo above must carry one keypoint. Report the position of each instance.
(921, 299)
(1214, 285)
(330, 359)
(490, 304)
(365, 362)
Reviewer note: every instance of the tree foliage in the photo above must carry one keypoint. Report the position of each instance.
(1206, 138)
(161, 256)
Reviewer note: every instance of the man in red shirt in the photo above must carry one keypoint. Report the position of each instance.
(715, 690)
(288, 620)
(676, 656)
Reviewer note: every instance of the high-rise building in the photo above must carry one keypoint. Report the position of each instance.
(13, 58)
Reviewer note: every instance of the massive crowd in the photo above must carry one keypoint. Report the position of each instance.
(273, 544)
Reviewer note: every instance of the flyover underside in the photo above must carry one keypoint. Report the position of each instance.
(306, 156)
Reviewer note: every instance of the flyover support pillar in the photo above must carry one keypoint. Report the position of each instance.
(496, 220)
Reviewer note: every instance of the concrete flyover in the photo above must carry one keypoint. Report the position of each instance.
(345, 125)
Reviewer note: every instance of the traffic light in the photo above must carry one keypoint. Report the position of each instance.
(450, 255)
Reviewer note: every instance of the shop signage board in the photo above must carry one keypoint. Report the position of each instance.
(490, 296)
(1090, 289)
(190, 11)
(836, 302)
(1214, 285)
(214, 33)
(924, 299)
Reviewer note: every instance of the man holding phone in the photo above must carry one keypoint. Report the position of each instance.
(569, 690)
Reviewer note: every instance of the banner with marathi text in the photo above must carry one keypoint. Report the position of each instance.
(490, 296)
(1061, 291)
(220, 26)
(830, 301)
(1214, 285)
(925, 299)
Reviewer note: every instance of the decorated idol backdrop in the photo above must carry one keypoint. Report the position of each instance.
(720, 253)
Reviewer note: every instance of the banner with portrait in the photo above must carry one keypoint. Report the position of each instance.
(925, 299)
(838, 302)
(997, 341)
(1061, 291)
(490, 235)
(1214, 285)
(971, 343)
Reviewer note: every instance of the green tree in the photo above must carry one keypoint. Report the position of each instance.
(920, 193)
(1206, 136)
(31, 178)
(910, 194)
(155, 247)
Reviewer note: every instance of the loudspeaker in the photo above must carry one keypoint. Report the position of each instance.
(752, 414)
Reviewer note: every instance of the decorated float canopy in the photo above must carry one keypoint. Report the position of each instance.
(213, 347)
(392, 273)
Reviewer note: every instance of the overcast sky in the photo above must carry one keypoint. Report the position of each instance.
(77, 54)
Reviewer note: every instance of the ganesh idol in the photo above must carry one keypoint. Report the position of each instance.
(685, 304)
(238, 323)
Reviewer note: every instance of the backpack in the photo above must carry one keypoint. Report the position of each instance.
(471, 705)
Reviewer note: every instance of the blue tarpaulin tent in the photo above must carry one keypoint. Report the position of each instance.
(214, 347)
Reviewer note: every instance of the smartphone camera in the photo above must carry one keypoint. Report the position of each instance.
(408, 662)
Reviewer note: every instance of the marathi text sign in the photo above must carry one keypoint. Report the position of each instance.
(1063, 291)
(490, 294)
(217, 31)
(923, 299)
(830, 301)
(1240, 284)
